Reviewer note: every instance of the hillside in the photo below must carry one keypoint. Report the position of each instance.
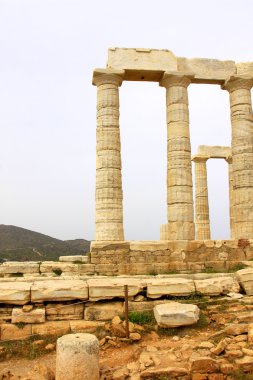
(20, 244)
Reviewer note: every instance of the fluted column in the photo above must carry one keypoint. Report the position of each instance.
(202, 221)
(179, 170)
(109, 195)
(231, 196)
(239, 87)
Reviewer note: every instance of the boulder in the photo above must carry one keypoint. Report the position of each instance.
(176, 314)
(216, 286)
(61, 290)
(159, 287)
(245, 278)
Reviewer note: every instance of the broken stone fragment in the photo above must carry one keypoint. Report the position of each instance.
(176, 314)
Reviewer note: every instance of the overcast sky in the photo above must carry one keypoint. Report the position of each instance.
(48, 50)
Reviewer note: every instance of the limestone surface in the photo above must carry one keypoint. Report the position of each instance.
(61, 290)
(81, 353)
(171, 286)
(245, 278)
(32, 316)
(16, 293)
(176, 314)
(216, 286)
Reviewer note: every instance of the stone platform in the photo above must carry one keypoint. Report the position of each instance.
(161, 257)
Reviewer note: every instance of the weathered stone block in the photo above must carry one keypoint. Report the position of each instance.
(216, 286)
(61, 290)
(19, 267)
(51, 328)
(16, 293)
(245, 278)
(176, 314)
(170, 286)
(114, 287)
(103, 311)
(59, 312)
(74, 258)
(13, 332)
(33, 316)
(85, 326)
(57, 267)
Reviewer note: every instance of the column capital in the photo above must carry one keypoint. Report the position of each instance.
(238, 81)
(200, 158)
(106, 76)
(228, 159)
(175, 78)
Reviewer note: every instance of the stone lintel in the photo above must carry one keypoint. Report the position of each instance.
(107, 74)
(214, 151)
(175, 78)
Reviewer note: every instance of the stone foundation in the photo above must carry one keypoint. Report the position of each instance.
(161, 257)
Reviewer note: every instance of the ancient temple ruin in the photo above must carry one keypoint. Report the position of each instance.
(175, 74)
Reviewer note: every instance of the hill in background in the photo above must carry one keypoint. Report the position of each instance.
(20, 244)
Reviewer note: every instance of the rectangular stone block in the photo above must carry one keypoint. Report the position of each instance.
(61, 290)
(57, 267)
(216, 286)
(13, 332)
(86, 268)
(33, 316)
(109, 288)
(5, 314)
(103, 311)
(51, 328)
(207, 70)
(59, 312)
(16, 293)
(72, 259)
(85, 326)
(170, 286)
(19, 267)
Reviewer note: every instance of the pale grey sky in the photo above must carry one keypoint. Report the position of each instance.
(48, 50)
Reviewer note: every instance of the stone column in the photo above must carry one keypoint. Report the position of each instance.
(239, 87)
(231, 196)
(202, 221)
(109, 195)
(179, 169)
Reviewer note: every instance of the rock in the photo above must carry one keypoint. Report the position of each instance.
(60, 312)
(206, 344)
(38, 343)
(226, 368)
(170, 286)
(233, 354)
(220, 346)
(15, 293)
(236, 328)
(77, 357)
(82, 326)
(204, 365)
(135, 336)
(176, 314)
(51, 328)
(117, 329)
(245, 363)
(44, 371)
(169, 372)
(139, 298)
(235, 296)
(50, 347)
(120, 374)
(33, 316)
(245, 279)
(103, 311)
(15, 332)
(27, 308)
(250, 333)
(217, 285)
(108, 288)
(116, 320)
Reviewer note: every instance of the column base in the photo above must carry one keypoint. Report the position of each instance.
(177, 231)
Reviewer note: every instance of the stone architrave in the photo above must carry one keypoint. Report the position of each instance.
(109, 195)
(179, 169)
(239, 87)
(202, 221)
